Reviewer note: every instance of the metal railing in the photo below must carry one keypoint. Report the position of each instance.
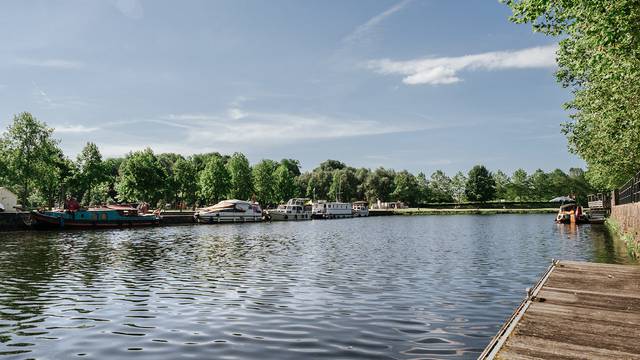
(630, 191)
(599, 200)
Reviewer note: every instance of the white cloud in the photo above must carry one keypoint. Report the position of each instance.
(445, 70)
(362, 30)
(74, 129)
(60, 64)
(236, 113)
(272, 128)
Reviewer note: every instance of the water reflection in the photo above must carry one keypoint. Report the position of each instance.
(398, 287)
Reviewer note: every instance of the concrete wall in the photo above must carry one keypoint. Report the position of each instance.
(628, 219)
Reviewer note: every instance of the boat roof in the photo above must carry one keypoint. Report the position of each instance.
(361, 202)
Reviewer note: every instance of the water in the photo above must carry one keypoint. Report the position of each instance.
(429, 287)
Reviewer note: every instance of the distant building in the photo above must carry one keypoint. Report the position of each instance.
(8, 201)
(389, 205)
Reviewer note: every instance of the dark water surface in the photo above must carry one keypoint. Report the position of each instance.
(429, 287)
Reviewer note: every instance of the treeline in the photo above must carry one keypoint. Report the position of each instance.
(33, 165)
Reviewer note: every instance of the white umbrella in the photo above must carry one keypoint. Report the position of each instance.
(562, 199)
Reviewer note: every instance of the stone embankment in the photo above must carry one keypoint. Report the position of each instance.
(625, 219)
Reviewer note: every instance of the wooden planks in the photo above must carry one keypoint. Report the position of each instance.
(577, 311)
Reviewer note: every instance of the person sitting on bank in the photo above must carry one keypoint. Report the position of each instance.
(72, 204)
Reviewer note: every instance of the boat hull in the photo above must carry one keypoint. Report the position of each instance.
(227, 218)
(281, 216)
(69, 221)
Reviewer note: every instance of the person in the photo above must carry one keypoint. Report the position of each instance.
(72, 204)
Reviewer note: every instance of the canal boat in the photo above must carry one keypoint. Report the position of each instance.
(331, 210)
(360, 209)
(229, 211)
(294, 209)
(108, 216)
(571, 214)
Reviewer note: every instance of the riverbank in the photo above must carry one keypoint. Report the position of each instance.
(423, 211)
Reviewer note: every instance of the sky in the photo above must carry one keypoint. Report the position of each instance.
(407, 84)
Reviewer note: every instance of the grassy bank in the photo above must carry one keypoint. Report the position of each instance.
(423, 211)
(633, 244)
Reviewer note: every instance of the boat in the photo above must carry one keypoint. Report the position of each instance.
(571, 214)
(331, 210)
(360, 209)
(294, 209)
(108, 216)
(230, 211)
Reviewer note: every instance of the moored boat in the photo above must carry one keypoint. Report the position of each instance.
(109, 216)
(331, 210)
(360, 209)
(230, 211)
(294, 209)
(571, 214)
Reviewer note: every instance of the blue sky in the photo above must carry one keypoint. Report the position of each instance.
(418, 85)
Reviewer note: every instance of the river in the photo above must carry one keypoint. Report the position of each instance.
(402, 287)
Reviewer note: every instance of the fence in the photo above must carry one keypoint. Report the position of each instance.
(599, 200)
(630, 191)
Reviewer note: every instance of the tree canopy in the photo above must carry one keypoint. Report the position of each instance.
(599, 59)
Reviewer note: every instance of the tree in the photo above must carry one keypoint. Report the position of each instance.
(540, 186)
(480, 184)
(292, 165)
(343, 184)
(379, 185)
(520, 187)
(167, 160)
(214, 181)
(142, 177)
(264, 182)
(502, 184)
(285, 186)
(90, 171)
(185, 177)
(319, 184)
(405, 188)
(458, 187)
(599, 59)
(424, 195)
(440, 187)
(30, 156)
(241, 186)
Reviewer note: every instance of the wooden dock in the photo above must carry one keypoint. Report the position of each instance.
(578, 310)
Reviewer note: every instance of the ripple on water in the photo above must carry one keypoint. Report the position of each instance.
(374, 288)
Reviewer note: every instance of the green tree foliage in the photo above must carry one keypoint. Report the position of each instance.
(406, 188)
(319, 183)
(480, 184)
(344, 186)
(599, 59)
(458, 187)
(379, 185)
(241, 182)
(502, 181)
(520, 187)
(292, 165)
(424, 194)
(185, 177)
(31, 159)
(167, 160)
(214, 180)
(90, 172)
(440, 188)
(264, 182)
(285, 186)
(142, 178)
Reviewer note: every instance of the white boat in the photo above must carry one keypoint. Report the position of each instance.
(230, 211)
(331, 210)
(360, 209)
(294, 209)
